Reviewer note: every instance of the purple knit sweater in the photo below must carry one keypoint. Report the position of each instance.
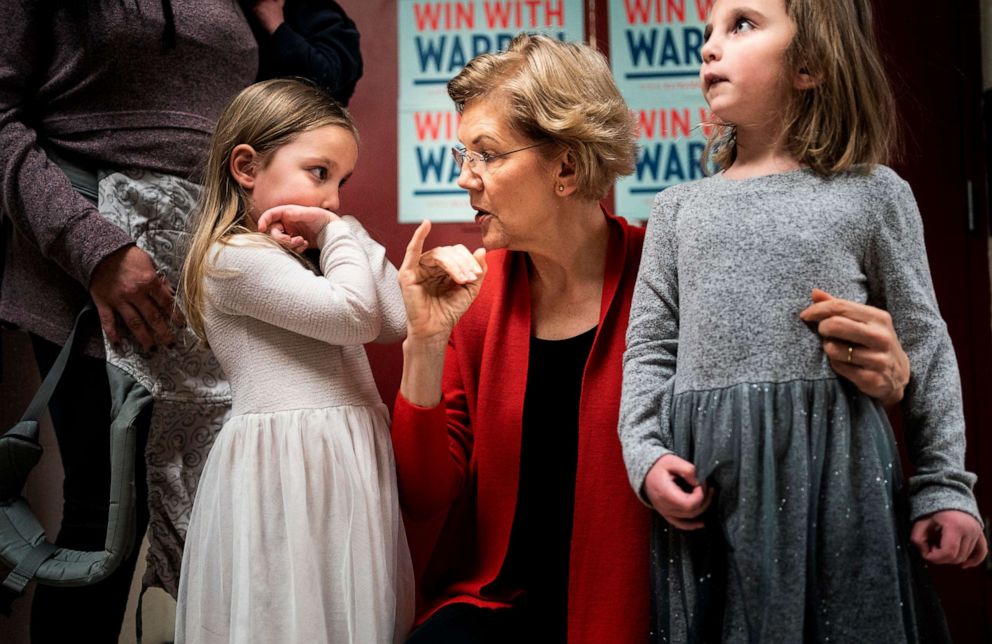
(107, 94)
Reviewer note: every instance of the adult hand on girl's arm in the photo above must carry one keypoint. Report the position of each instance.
(862, 345)
(295, 227)
(672, 501)
(950, 537)
(438, 287)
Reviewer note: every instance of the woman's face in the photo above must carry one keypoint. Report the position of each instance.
(514, 195)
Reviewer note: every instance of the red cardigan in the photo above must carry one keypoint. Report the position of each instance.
(458, 464)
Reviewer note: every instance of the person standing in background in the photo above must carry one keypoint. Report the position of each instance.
(132, 89)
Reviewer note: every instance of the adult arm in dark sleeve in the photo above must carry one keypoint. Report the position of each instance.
(316, 40)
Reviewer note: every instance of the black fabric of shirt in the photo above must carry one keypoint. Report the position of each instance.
(540, 539)
(317, 41)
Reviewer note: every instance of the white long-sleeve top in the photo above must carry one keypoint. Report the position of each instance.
(290, 339)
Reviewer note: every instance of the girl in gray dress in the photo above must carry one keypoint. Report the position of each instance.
(728, 396)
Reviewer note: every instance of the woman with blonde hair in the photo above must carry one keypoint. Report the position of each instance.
(505, 427)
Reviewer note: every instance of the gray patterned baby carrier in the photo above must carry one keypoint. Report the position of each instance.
(191, 394)
(183, 387)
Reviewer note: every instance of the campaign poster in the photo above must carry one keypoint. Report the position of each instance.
(437, 39)
(655, 54)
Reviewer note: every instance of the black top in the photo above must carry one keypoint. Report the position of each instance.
(317, 41)
(540, 540)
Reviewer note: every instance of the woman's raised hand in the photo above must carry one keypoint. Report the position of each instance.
(438, 286)
(862, 345)
(295, 227)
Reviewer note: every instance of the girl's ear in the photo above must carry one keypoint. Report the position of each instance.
(805, 80)
(242, 165)
(565, 174)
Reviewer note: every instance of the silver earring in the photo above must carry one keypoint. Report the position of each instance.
(561, 188)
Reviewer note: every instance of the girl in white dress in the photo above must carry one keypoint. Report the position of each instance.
(296, 534)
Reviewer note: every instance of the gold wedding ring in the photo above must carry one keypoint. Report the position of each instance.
(850, 353)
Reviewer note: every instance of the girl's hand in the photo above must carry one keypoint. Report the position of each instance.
(862, 346)
(665, 486)
(294, 221)
(950, 537)
(293, 243)
(438, 286)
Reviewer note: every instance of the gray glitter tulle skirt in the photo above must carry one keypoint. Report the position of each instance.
(807, 539)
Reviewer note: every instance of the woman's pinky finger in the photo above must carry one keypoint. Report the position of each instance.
(867, 381)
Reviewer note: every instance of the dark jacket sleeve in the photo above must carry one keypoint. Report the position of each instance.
(317, 41)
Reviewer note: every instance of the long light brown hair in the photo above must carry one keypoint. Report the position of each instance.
(266, 116)
(848, 119)
(562, 92)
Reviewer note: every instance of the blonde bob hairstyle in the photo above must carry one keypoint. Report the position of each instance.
(562, 92)
(266, 116)
(847, 120)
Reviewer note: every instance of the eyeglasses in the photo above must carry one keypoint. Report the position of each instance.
(463, 156)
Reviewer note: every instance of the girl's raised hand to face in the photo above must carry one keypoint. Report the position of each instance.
(295, 227)
(294, 243)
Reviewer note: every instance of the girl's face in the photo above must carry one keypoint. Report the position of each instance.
(744, 76)
(511, 195)
(308, 171)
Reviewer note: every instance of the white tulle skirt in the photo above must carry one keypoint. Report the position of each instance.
(296, 534)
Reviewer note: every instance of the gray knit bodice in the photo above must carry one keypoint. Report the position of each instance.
(727, 267)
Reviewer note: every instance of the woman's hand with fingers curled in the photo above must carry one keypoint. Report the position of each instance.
(862, 345)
